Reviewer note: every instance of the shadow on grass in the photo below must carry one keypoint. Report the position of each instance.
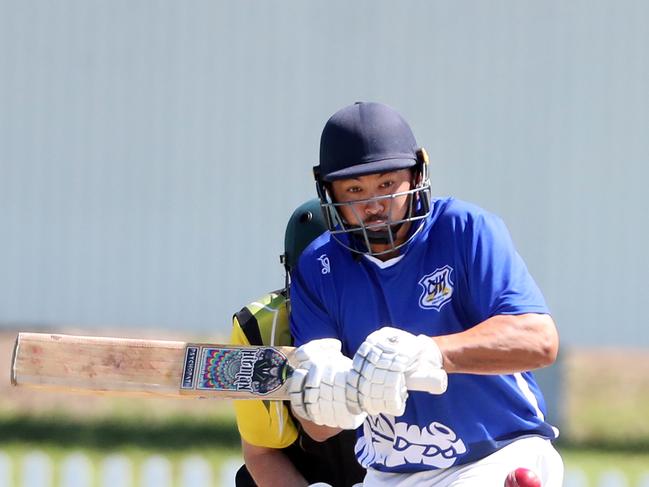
(119, 433)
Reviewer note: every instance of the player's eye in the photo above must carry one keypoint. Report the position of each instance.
(354, 189)
(387, 184)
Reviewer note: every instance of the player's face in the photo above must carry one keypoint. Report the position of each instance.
(365, 195)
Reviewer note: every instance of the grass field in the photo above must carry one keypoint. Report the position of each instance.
(215, 438)
(593, 464)
(218, 444)
(596, 462)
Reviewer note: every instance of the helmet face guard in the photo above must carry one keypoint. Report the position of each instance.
(360, 237)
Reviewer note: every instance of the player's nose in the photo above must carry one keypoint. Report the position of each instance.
(373, 207)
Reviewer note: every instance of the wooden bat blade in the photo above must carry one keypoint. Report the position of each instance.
(105, 365)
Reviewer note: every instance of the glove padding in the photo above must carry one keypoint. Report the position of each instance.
(317, 386)
(377, 383)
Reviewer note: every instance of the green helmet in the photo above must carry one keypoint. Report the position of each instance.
(306, 223)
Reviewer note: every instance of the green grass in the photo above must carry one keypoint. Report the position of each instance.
(174, 433)
(215, 438)
(594, 462)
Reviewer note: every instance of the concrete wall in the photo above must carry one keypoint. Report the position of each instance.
(151, 152)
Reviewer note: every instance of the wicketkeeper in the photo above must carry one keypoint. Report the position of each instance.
(276, 450)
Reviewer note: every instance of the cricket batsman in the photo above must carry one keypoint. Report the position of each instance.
(400, 282)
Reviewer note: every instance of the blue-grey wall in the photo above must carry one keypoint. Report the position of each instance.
(151, 152)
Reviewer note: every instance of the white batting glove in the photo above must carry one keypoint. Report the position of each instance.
(317, 386)
(377, 383)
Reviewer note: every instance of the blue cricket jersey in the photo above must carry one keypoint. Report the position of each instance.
(459, 270)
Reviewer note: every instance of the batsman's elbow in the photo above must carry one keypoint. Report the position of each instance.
(548, 341)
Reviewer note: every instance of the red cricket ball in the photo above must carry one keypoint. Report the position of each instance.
(522, 477)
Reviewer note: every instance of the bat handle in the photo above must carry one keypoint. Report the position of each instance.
(434, 381)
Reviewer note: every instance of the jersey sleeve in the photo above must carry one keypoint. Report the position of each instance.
(499, 279)
(238, 337)
(309, 319)
(262, 423)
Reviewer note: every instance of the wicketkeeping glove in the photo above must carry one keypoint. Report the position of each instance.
(377, 383)
(317, 386)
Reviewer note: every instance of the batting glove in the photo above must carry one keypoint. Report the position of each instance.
(377, 382)
(317, 386)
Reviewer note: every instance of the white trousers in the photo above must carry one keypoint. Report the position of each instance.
(534, 453)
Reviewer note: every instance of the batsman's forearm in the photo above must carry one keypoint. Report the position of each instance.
(269, 467)
(317, 432)
(502, 344)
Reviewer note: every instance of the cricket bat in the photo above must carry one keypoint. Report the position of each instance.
(105, 365)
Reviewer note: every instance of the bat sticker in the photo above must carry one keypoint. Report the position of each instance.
(259, 371)
(190, 367)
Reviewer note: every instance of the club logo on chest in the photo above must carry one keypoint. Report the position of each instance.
(437, 288)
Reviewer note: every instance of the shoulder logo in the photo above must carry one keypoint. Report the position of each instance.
(438, 288)
(324, 262)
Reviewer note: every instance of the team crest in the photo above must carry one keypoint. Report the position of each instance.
(438, 288)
